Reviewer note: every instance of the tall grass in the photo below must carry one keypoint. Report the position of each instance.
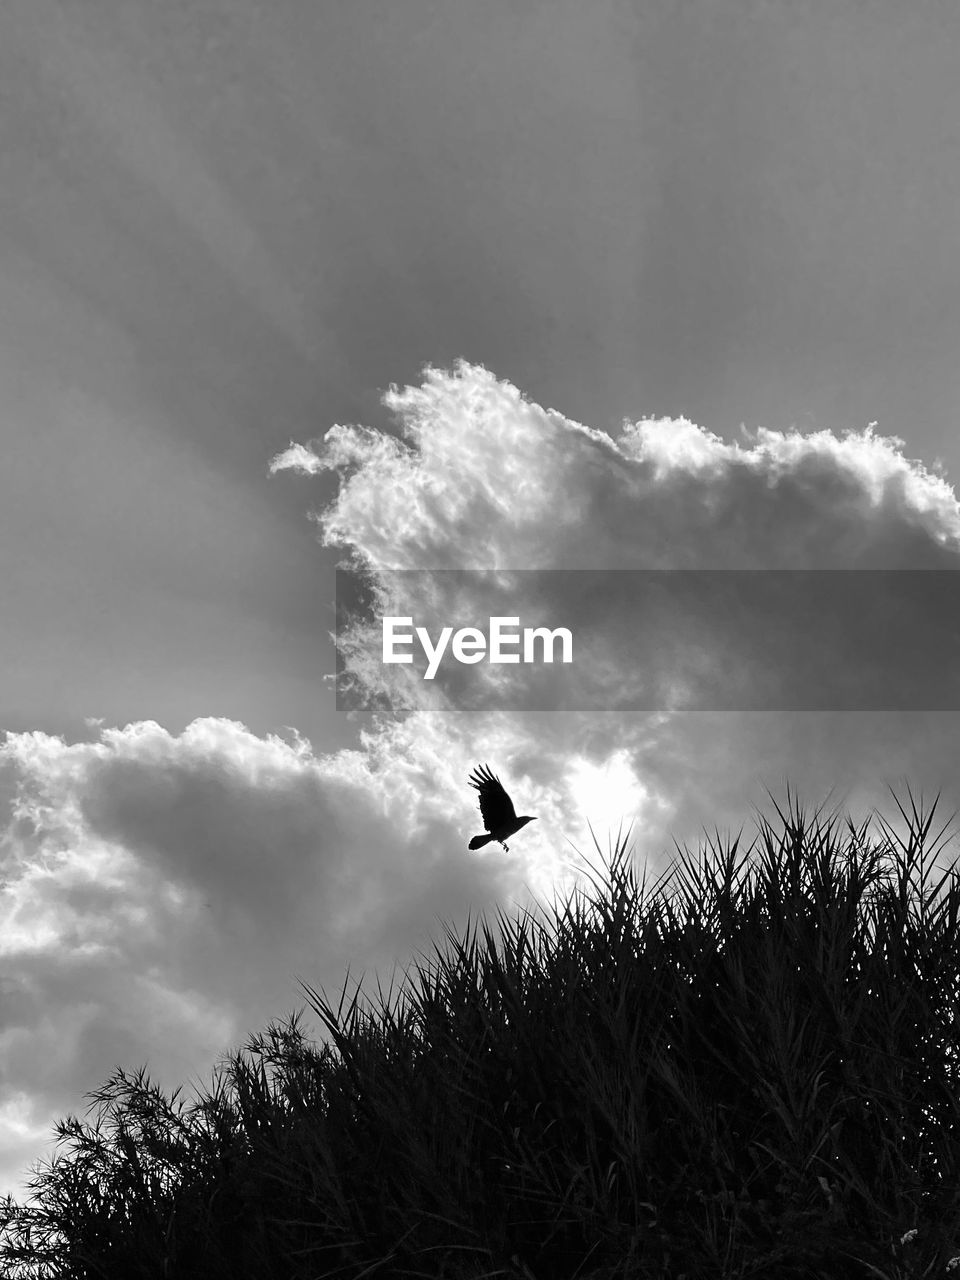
(746, 1069)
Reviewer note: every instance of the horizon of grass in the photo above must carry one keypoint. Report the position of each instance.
(744, 1071)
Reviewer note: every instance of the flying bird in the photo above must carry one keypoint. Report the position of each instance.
(496, 809)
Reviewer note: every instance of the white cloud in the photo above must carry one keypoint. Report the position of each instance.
(163, 891)
(485, 479)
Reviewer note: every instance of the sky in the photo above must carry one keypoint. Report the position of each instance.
(432, 284)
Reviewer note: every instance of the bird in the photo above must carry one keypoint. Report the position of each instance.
(496, 809)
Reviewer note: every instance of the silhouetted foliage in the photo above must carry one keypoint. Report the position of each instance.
(747, 1070)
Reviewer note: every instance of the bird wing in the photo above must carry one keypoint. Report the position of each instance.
(496, 807)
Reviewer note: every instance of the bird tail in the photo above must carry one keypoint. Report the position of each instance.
(479, 841)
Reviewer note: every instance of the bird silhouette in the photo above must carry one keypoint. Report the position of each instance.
(496, 809)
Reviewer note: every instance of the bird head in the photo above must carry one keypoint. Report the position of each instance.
(525, 819)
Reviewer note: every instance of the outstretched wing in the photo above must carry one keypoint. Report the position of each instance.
(496, 807)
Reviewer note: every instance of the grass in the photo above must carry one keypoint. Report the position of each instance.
(744, 1070)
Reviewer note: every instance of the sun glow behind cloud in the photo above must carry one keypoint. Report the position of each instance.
(607, 790)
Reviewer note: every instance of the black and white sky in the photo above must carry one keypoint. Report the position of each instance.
(531, 283)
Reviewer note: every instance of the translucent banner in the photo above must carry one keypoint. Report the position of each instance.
(652, 640)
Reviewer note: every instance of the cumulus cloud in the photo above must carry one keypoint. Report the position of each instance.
(482, 478)
(163, 891)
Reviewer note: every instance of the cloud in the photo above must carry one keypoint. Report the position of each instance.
(162, 892)
(483, 478)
